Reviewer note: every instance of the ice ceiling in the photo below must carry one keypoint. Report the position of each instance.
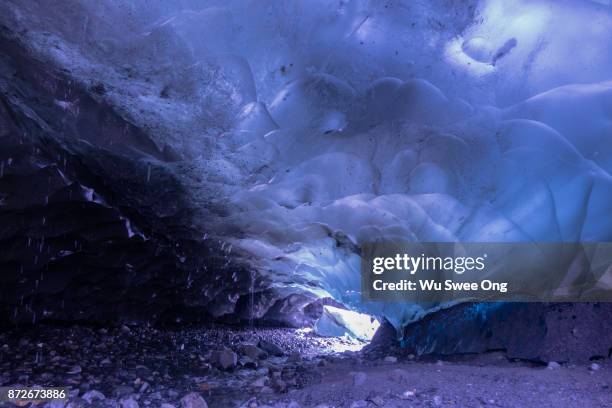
(318, 125)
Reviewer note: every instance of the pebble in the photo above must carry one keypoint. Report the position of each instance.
(294, 357)
(270, 348)
(391, 359)
(553, 365)
(123, 390)
(378, 401)
(128, 403)
(359, 404)
(92, 395)
(408, 394)
(594, 367)
(193, 400)
(74, 370)
(260, 382)
(224, 359)
(253, 352)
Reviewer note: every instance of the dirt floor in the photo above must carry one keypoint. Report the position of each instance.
(134, 367)
(354, 383)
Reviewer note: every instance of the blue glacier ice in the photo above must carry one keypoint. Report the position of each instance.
(326, 124)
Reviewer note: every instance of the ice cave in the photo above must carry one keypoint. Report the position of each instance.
(186, 187)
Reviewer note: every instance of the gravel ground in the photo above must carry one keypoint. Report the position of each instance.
(130, 367)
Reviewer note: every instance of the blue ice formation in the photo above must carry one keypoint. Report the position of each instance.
(324, 124)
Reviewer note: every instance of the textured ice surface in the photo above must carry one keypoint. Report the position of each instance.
(337, 322)
(321, 125)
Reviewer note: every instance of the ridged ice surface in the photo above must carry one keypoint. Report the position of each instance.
(324, 124)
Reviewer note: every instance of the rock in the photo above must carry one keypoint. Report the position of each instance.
(359, 404)
(166, 405)
(253, 352)
(247, 362)
(193, 400)
(55, 404)
(437, 400)
(384, 339)
(378, 401)
(128, 403)
(143, 387)
(266, 390)
(123, 390)
(92, 395)
(279, 385)
(260, 382)
(391, 359)
(294, 357)
(270, 348)
(74, 370)
(594, 367)
(408, 394)
(224, 359)
(553, 365)
(359, 378)
(76, 403)
(293, 404)
(478, 327)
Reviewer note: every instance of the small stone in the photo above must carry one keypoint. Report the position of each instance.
(293, 404)
(253, 352)
(266, 390)
(359, 378)
(408, 394)
(270, 348)
(410, 357)
(391, 359)
(439, 363)
(553, 365)
(279, 385)
(128, 403)
(378, 401)
(437, 400)
(92, 395)
(123, 390)
(359, 404)
(594, 367)
(260, 382)
(143, 387)
(225, 359)
(193, 400)
(294, 357)
(74, 370)
(247, 362)
(166, 405)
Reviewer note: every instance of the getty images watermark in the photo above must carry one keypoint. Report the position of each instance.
(487, 271)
